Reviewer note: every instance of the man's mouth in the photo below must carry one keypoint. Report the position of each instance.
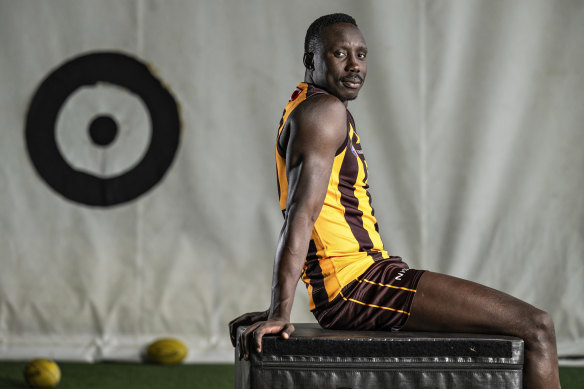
(352, 82)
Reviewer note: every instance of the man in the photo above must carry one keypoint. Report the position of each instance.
(351, 280)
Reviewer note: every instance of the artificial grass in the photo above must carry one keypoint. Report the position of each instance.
(146, 376)
(127, 376)
(572, 377)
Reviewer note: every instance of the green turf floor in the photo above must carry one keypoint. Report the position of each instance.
(127, 376)
(137, 376)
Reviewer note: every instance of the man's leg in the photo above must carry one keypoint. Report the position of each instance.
(450, 304)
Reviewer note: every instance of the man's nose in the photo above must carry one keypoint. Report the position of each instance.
(352, 64)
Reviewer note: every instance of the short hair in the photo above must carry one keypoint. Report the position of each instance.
(312, 39)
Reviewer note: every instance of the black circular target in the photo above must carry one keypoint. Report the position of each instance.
(103, 130)
(91, 69)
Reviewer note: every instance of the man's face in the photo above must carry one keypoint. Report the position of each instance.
(340, 64)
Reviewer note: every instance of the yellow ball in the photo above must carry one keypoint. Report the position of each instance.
(42, 373)
(167, 351)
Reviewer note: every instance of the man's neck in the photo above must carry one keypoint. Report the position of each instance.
(308, 80)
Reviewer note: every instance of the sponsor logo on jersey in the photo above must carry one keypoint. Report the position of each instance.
(353, 149)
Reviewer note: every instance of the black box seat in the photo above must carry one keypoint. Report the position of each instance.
(318, 358)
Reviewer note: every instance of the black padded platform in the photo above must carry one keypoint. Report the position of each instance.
(317, 358)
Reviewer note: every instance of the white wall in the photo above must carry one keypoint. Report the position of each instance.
(471, 121)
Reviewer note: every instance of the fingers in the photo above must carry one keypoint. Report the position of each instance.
(252, 337)
(258, 334)
(233, 324)
(244, 320)
(287, 331)
(244, 340)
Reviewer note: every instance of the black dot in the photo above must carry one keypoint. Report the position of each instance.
(103, 130)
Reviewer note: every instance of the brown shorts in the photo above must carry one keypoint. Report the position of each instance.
(379, 299)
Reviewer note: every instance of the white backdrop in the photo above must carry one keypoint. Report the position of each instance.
(471, 120)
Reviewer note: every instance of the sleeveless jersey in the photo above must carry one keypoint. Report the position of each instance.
(345, 239)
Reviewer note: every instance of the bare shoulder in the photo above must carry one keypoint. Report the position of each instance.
(321, 119)
(320, 110)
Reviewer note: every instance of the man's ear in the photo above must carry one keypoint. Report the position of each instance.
(308, 61)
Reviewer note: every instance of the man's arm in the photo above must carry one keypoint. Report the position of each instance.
(317, 130)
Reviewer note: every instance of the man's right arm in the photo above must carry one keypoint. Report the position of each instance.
(317, 130)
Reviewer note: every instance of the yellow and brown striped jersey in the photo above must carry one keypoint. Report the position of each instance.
(345, 239)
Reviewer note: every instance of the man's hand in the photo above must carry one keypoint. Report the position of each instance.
(245, 320)
(252, 337)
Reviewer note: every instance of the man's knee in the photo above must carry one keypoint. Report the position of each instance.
(539, 328)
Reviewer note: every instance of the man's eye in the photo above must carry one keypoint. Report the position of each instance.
(362, 55)
(339, 53)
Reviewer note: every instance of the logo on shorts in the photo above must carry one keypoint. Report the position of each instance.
(401, 273)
